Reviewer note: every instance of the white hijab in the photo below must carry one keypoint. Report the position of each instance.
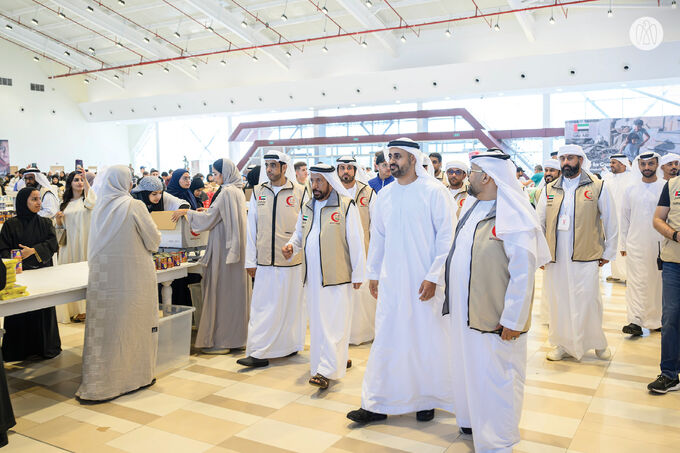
(113, 203)
(516, 220)
(411, 147)
(281, 157)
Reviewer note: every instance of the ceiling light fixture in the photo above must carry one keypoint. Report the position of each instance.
(364, 44)
(610, 13)
(324, 9)
(223, 62)
(255, 57)
(369, 3)
(324, 49)
(140, 73)
(67, 53)
(91, 49)
(244, 24)
(90, 9)
(116, 76)
(166, 69)
(403, 38)
(194, 66)
(147, 40)
(284, 17)
(288, 54)
(551, 21)
(210, 29)
(35, 21)
(8, 27)
(177, 34)
(86, 81)
(119, 44)
(447, 33)
(674, 4)
(121, 2)
(496, 27)
(62, 15)
(36, 58)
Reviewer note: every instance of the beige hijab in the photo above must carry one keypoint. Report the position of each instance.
(231, 203)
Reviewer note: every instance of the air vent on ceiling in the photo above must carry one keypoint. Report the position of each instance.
(37, 87)
(6, 82)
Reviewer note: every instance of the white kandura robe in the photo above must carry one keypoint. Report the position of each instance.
(411, 234)
(330, 307)
(73, 239)
(363, 314)
(489, 373)
(641, 243)
(50, 203)
(278, 322)
(576, 309)
(226, 287)
(618, 183)
(121, 330)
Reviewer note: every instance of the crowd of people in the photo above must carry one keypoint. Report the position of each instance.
(433, 262)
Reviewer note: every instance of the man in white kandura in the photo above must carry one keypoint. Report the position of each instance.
(411, 232)
(329, 233)
(578, 216)
(48, 193)
(355, 180)
(618, 181)
(456, 173)
(669, 164)
(641, 244)
(490, 269)
(277, 324)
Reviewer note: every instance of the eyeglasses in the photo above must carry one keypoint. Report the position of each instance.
(475, 171)
(451, 171)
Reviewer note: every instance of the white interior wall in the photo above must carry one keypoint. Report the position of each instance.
(38, 135)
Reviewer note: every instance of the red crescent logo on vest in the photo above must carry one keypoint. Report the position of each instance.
(493, 231)
(290, 201)
(588, 194)
(193, 234)
(460, 203)
(335, 217)
(362, 201)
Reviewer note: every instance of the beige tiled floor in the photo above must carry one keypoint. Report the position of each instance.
(212, 405)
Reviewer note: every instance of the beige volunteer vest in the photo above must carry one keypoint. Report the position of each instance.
(362, 199)
(588, 233)
(489, 276)
(671, 250)
(336, 265)
(277, 215)
(460, 197)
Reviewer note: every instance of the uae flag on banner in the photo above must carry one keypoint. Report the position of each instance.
(579, 127)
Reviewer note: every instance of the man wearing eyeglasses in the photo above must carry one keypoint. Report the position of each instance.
(456, 172)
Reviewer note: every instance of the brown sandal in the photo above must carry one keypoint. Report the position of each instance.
(349, 363)
(319, 381)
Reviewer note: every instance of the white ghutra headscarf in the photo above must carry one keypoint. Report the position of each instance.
(330, 175)
(411, 147)
(277, 156)
(360, 174)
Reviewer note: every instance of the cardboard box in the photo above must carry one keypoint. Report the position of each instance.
(177, 235)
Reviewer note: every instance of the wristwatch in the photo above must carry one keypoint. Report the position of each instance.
(675, 236)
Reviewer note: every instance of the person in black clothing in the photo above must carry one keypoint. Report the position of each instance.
(34, 333)
(6, 412)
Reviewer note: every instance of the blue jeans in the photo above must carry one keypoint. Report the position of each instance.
(670, 320)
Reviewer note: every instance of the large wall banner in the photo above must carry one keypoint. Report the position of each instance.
(631, 136)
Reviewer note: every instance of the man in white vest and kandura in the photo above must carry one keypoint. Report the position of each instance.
(580, 223)
(330, 236)
(277, 323)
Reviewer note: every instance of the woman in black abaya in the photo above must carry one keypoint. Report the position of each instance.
(34, 333)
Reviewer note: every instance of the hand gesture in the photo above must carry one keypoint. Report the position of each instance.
(356, 285)
(251, 271)
(287, 251)
(426, 290)
(623, 253)
(508, 334)
(60, 218)
(373, 288)
(26, 251)
(602, 262)
(176, 215)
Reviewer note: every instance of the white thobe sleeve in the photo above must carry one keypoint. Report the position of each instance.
(376, 246)
(540, 210)
(625, 220)
(520, 290)
(296, 239)
(610, 223)
(90, 199)
(251, 235)
(146, 227)
(50, 206)
(371, 205)
(205, 220)
(354, 233)
(442, 220)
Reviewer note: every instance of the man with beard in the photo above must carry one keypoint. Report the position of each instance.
(669, 164)
(329, 233)
(48, 194)
(456, 173)
(640, 244)
(436, 160)
(490, 270)
(277, 324)
(578, 217)
(354, 179)
(411, 232)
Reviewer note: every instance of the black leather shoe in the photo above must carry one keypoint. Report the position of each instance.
(632, 329)
(362, 416)
(425, 416)
(467, 431)
(253, 362)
